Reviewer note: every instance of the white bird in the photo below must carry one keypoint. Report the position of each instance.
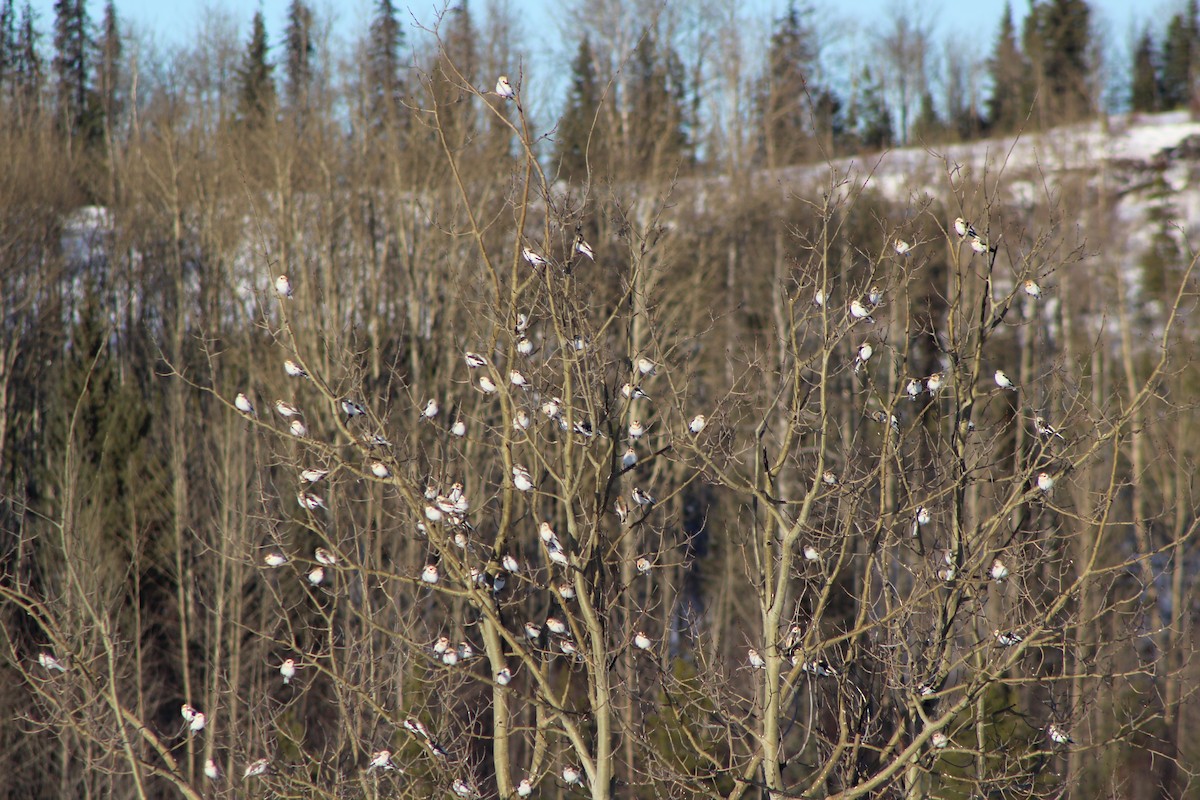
(697, 424)
(643, 565)
(310, 501)
(380, 469)
(1045, 482)
(464, 790)
(914, 388)
(187, 712)
(979, 245)
(450, 658)
(1003, 381)
(556, 625)
(567, 591)
(568, 647)
(459, 428)
(934, 382)
(521, 478)
(313, 475)
(256, 768)
(503, 677)
(1032, 289)
(964, 228)
(1059, 735)
(756, 661)
(923, 516)
(902, 247)
(820, 668)
(288, 670)
(636, 429)
(939, 740)
(646, 367)
(298, 428)
(430, 573)
(571, 775)
(283, 286)
(632, 392)
(504, 89)
(243, 404)
(828, 478)
(474, 360)
(352, 409)
(583, 248)
(819, 298)
(547, 534)
(431, 409)
(416, 727)
(524, 346)
(381, 759)
(316, 575)
(293, 369)
(433, 514)
(641, 641)
(324, 557)
(197, 722)
(212, 770)
(557, 555)
(1008, 638)
(998, 571)
(517, 379)
(860, 312)
(532, 630)
(621, 509)
(487, 385)
(947, 574)
(865, 351)
(874, 296)
(523, 323)
(521, 420)
(286, 409)
(1043, 428)
(552, 407)
(441, 645)
(811, 553)
(510, 563)
(524, 788)
(642, 498)
(629, 458)
(48, 661)
(535, 260)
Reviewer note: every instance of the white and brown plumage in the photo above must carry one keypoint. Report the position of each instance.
(504, 89)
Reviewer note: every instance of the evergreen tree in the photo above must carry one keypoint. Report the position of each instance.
(1007, 105)
(1057, 37)
(256, 82)
(8, 41)
(71, 47)
(1179, 58)
(1144, 89)
(300, 48)
(829, 123)
(784, 107)
(108, 76)
(385, 87)
(27, 74)
(578, 139)
(928, 126)
(658, 124)
(456, 112)
(874, 118)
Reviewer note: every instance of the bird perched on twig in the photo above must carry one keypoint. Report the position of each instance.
(504, 89)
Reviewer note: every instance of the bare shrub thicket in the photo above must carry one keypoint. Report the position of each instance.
(416, 473)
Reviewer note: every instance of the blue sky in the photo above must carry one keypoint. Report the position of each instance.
(170, 22)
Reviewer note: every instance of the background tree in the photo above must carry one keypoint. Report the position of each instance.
(256, 79)
(72, 47)
(579, 141)
(788, 93)
(1144, 90)
(300, 51)
(1009, 101)
(1179, 58)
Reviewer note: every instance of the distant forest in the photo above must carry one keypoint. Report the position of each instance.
(365, 434)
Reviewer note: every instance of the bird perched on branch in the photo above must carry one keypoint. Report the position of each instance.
(504, 89)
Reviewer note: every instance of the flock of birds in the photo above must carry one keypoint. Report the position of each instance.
(451, 508)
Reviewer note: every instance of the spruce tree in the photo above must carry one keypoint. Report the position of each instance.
(71, 48)
(784, 107)
(578, 140)
(298, 72)
(1006, 106)
(108, 73)
(1144, 86)
(1179, 58)
(875, 131)
(256, 81)
(385, 86)
(27, 76)
(658, 128)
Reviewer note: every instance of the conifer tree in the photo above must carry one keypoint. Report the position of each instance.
(784, 106)
(27, 73)
(874, 118)
(71, 48)
(385, 86)
(256, 95)
(298, 72)
(658, 130)
(1179, 58)
(1145, 95)
(455, 111)
(108, 73)
(1007, 105)
(579, 142)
